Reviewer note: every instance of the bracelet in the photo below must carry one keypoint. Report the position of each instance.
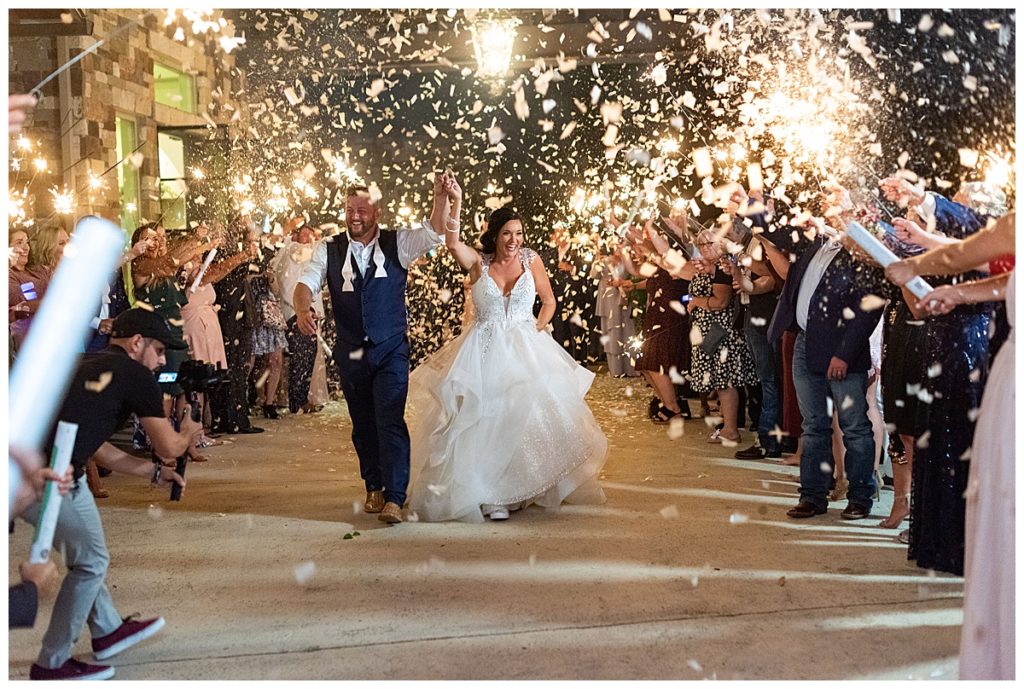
(156, 474)
(453, 231)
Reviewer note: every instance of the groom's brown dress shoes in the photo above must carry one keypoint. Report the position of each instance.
(392, 513)
(374, 502)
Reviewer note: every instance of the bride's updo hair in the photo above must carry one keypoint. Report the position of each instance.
(496, 221)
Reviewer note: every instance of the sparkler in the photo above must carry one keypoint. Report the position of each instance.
(998, 170)
(63, 201)
(37, 90)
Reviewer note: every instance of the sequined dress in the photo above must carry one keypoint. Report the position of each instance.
(955, 357)
(499, 416)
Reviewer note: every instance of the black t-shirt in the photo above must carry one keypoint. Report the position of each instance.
(721, 277)
(108, 387)
(762, 306)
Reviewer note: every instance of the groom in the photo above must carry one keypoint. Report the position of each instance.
(366, 270)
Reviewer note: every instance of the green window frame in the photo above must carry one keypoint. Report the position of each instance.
(173, 187)
(174, 88)
(127, 174)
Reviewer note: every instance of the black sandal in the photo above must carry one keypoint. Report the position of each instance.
(685, 407)
(664, 415)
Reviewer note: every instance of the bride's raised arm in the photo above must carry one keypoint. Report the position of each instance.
(465, 255)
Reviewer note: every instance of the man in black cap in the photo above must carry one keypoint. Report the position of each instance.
(107, 387)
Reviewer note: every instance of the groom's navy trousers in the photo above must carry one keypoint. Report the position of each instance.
(375, 381)
(372, 353)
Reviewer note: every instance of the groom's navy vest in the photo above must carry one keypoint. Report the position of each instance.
(374, 310)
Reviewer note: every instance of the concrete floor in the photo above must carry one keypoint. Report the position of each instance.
(691, 570)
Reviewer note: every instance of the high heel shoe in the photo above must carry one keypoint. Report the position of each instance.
(896, 517)
(270, 411)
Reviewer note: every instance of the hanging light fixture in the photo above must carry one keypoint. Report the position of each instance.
(493, 40)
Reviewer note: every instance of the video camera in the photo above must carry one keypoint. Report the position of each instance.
(194, 377)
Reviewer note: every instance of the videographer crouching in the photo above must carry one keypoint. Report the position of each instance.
(107, 387)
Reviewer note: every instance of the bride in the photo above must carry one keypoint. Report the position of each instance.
(500, 417)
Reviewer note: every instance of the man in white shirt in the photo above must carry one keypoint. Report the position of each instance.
(288, 265)
(366, 272)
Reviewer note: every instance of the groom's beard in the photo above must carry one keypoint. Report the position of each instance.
(367, 232)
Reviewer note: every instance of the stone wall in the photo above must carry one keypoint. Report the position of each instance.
(115, 80)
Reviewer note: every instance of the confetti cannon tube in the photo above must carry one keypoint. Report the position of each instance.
(63, 445)
(47, 358)
(881, 253)
(202, 271)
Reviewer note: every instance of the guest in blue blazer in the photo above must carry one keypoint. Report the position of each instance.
(822, 303)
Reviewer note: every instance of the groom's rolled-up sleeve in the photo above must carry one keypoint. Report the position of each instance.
(413, 242)
(315, 271)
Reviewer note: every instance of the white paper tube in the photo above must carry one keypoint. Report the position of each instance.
(48, 356)
(881, 253)
(42, 542)
(326, 347)
(202, 271)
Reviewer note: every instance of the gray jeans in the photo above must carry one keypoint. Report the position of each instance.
(83, 594)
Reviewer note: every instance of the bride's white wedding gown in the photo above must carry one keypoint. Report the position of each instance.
(499, 415)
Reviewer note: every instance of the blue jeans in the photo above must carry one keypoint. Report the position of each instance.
(851, 404)
(83, 597)
(764, 362)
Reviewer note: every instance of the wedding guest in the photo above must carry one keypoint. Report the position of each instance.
(987, 644)
(615, 310)
(664, 351)
(721, 359)
(824, 287)
(955, 357)
(268, 337)
(758, 295)
(18, 107)
(24, 289)
(201, 325)
(288, 267)
(230, 402)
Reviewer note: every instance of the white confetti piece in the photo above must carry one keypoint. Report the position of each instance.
(659, 74)
(702, 160)
(669, 512)
(356, 355)
(675, 428)
(738, 518)
(871, 302)
(305, 572)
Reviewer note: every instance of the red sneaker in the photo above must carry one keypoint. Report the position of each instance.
(73, 669)
(128, 634)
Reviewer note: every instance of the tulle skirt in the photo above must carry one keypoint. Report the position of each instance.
(499, 419)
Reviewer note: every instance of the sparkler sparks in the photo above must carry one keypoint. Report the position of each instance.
(63, 201)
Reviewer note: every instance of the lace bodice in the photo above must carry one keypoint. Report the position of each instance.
(494, 308)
